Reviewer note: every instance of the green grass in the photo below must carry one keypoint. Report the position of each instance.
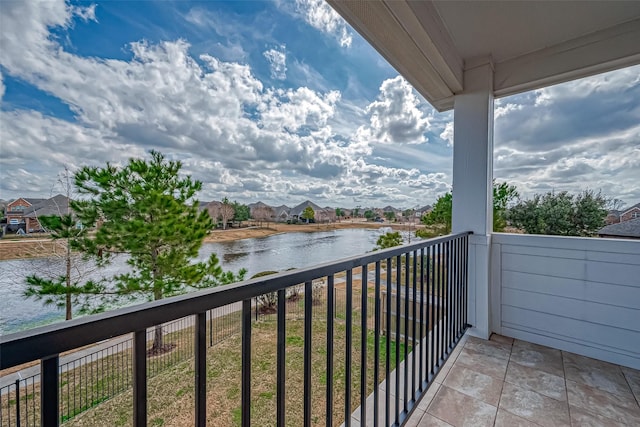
(171, 393)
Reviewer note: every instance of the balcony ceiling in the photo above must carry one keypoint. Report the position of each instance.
(530, 43)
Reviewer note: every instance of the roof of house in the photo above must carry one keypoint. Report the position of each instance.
(56, 205)
(258, 205)
(629, 228)
(636, 206)
(297, 210)
(31, 201)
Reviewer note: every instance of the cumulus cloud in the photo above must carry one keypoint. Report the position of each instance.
(447, 133)
(396, 117)
(277, 59)
(573, 136)
(2, 87)
(242, 139)
(321, 16)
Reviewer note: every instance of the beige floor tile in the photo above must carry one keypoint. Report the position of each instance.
(429, 420)
(428, 397)
(595, 373)
(538, 357)
(489, 348)
(482, 363)
(633, 378)
(614, 406)
(460, 410)
(539, 381)
(474, 384)
(534, 407)
(501, 339)
(507, 419)
(583, 418)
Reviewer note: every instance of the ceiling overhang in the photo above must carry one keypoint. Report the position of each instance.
(532, 43)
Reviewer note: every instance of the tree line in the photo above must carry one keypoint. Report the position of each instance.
(552, 213)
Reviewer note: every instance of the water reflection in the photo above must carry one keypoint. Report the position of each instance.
(277, 252)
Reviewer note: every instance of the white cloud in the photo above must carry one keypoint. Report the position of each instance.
(2, 87)
(241, 139)
(321, 16)
(447, 134)
(396, 117)
(277, 59)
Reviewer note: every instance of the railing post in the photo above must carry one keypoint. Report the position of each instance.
(140, 378)
(18, 402)
(49, 408)
(200, 366)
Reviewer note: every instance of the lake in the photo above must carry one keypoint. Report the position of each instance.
(278, 252)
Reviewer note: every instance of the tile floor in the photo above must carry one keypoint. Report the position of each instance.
(506, 382)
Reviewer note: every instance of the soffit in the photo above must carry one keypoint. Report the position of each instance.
(531, 43)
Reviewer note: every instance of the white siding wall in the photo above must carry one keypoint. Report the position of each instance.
(576, 294)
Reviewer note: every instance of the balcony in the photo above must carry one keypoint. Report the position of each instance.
(507, 382)
(566, 309)
(395, 314)
(397, 352)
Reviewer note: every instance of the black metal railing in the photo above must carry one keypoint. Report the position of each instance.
(410, 315)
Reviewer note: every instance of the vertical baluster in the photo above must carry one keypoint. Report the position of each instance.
(308, 304)
(387, 364)
(245, 403)
(281, 354)
(431, 286)
(449, 282)
(17, 403)
(376, 353)
(441, 286)
(330, 319)
(140, 378)
(405, 299)
(200, 353)
(397, 337)
(348, 340)
(363, 345)
(422, 307)
(414, 318)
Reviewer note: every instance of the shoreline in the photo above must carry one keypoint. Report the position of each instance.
(27, 248)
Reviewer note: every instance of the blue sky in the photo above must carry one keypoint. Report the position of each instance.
(278, 101)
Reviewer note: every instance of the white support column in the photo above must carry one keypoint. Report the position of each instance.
(472, 184)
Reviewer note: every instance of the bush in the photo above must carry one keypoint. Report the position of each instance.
(266, 303)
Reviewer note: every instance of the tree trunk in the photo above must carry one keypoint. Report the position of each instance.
(158, 339)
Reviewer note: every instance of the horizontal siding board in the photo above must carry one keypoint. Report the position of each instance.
(621, 274)
(586, 311)
(608, 257)
(571, 329)
(614, 246)
(576, 294)
(606, 293)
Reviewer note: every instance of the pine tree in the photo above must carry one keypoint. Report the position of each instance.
(146, 210)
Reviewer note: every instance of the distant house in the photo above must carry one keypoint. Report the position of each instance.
(15, 209)
(296, 211)
(55, 206)
(613, 217)
(629, 229)
(282, 213)
(632, 213)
